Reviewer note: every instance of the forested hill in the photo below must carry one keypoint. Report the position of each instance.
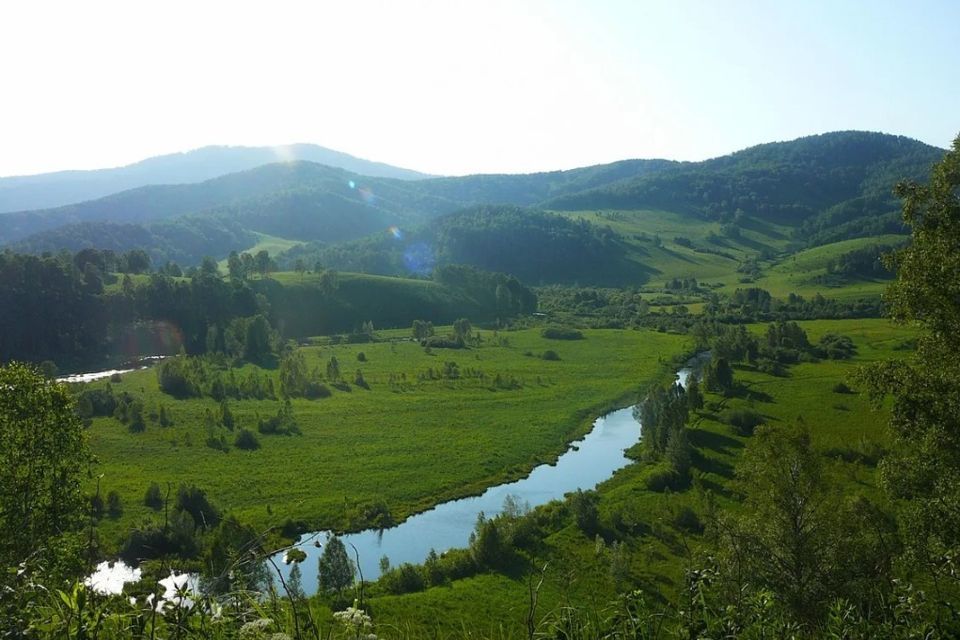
(828, 187)
(533, 188)
(237, 192)
(533, 245)
(21, 193)
(784, 182)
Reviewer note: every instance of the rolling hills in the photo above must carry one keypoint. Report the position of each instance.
(768, 200)
(19, 193)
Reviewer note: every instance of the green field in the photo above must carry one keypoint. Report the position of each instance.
(362, 446)
(714, 259)
(271, 244)
(796, 273)
(658, 550)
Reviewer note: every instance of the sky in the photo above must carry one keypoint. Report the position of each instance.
(454, 87)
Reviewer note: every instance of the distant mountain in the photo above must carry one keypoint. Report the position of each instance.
(42, 191)
(785, 182)
(827, 187)
(301, 200)
(235, 195)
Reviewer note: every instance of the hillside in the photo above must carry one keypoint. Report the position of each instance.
(783, 182)
(20, 193)
(767, 199)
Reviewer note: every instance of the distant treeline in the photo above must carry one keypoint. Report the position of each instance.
(77, 310)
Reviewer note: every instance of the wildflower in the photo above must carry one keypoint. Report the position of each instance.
(255, 629)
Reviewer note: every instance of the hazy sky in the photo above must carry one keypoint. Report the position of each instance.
(463, 87)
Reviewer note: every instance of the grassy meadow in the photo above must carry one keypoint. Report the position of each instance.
(409, 441)
(661, 542)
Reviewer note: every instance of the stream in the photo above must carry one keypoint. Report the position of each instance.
(585, 464)
(448, 525)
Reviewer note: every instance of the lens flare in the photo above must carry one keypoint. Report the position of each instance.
(418, 258)
(352, 184)
(395, 232)
(367, 195)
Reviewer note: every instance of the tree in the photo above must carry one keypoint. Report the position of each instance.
(264, 264)
(42, 453)
(235, 266)
(333, 369)
(329, 282)
(256, 344)
(422, 329)
(300, 267)
(335, 567)
(923, 471)
(462, 329)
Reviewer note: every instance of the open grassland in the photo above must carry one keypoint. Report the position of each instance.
(408, 441)
(271, 244)
(711, 256)
(714, 258)
(797, 273)
(659, 543)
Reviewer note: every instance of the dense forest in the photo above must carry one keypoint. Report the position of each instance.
(534, 246)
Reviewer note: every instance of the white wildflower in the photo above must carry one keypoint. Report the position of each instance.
(255, 629)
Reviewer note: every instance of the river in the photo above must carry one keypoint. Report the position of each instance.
(448, 525)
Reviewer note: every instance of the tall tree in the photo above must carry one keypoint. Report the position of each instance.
(924, 471)
(42, 453)
(335, 567)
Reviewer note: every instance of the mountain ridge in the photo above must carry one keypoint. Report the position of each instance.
(60, 188)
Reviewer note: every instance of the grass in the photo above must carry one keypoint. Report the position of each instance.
(658, 551)
(272, 244)
(793, 272)
(796, 273)
(406, 442)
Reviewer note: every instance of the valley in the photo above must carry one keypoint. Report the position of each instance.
(343, 353)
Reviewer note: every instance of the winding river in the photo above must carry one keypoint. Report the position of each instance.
(448, 525)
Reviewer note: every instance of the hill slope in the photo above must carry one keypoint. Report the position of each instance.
(46, 190)
(783, 182)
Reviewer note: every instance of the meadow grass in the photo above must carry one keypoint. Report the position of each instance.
(274, 245)
(406, 441)
(797, 273)
(659, 551)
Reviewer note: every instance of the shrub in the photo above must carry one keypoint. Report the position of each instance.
(841, 387)
(836, 347)
(404, 579)
(153, 498)
(550, 354)
(686, 519)
(114, 505)
(361, 357)
(562, 333)
(246, 440)
(661, 477)
(744, 421)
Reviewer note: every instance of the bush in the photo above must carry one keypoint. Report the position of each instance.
(404, 579)
(686, 519)
(841, 387)
(562, 333)
(661, 477)
(114, 505)
(744, 421)
(836, 347)
(550, 354)
(153, 498)
(361, 357)
(246, 440)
